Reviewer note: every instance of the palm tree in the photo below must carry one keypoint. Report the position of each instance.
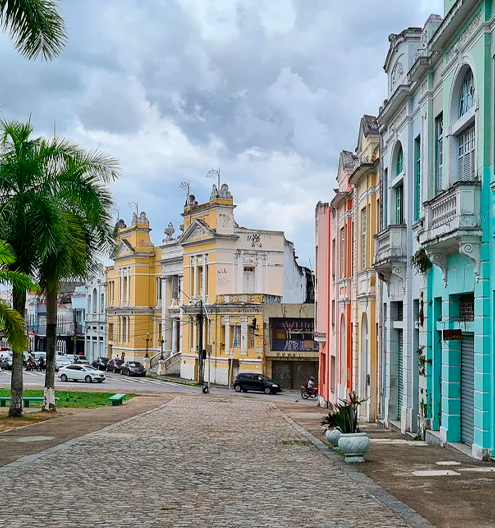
(10, 320)
(51, 193)
(35, 26)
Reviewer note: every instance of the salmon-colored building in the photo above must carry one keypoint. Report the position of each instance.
(335, 285)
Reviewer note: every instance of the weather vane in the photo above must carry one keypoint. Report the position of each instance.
(215, 174)
(185, 185)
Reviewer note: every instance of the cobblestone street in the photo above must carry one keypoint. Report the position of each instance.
(197, 461)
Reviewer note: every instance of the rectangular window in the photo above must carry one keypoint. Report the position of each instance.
(342, 253)
(333, 312)
(251, 337)
(110, 332)
(466, 155)
(364, 226)
(249, 279)
(417, 178)
(175, 287)
(237, 336)
(438, 152)
(158, 289)
(399, 204)
(334, 257)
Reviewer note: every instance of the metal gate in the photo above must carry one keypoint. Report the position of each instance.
(294, 374)
(467, 389)
(400, 376)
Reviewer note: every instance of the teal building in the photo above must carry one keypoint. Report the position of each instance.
(442, 111)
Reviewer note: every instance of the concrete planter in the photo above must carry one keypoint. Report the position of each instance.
(332, 436)
(354, 446)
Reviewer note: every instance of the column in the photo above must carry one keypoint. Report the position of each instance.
(240, 273)
(120, 329)
(227, 335)
(259, 275)
(195, 334)
(121, 286)
(244, 341)
(166, 301)
(174, 335)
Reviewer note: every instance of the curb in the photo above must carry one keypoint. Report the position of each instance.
(28, 459)
(404, 512)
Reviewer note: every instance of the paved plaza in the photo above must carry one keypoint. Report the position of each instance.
(195, 461)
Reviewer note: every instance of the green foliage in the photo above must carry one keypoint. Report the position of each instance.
(420, 261)
(347, 412)
(35, 26)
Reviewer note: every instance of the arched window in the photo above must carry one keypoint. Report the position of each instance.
(466, 97)
(95, 301)
(400, 161)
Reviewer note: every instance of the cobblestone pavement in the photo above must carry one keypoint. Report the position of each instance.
(198, 461)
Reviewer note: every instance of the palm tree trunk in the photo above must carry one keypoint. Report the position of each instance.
(51, 338)
(16, 382)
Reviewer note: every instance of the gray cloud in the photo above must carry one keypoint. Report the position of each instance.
(270, 90)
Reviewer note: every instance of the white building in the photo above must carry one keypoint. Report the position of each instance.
(96, 321)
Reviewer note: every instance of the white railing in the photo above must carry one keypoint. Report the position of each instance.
(456, 208)
(391, 244)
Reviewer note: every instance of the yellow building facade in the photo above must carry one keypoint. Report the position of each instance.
(133, 296)
(365, 178)
(230, 273)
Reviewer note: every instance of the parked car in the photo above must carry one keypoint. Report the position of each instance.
(132, 368)
(100, 363)
(114, 365)
(80, 373)
(38, 355)
(6, 359)
(62, 361)
(256, 382)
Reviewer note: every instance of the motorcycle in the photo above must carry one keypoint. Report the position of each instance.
(309, 393)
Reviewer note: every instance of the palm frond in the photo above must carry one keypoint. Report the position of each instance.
(35, 26)
(13, 327)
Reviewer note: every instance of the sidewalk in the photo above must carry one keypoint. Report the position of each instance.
(72, 423)
(446, 487)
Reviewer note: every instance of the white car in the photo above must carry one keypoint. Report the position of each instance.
(61, 361)
(80, 373)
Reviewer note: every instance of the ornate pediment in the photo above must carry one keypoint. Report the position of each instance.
(196, 230)
(124, 248)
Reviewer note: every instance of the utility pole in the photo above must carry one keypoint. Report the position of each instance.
(200, 345)
(147, 341)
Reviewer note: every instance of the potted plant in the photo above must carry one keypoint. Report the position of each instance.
(332, 429)
(352, 442)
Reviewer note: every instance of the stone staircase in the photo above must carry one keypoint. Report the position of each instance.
(170, 365)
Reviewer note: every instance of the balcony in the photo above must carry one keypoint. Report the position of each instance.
(453, 224)
(366, 286)
(390, 247)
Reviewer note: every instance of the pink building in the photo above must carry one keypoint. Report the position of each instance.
(335, 286)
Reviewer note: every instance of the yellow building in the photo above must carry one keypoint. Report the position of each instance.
(366, 205)
(230, 273)
(133, 293)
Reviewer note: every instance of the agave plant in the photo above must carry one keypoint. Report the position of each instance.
(348, 413)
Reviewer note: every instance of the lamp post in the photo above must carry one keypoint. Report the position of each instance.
(231, 355)
(161, 348)
(147, 341)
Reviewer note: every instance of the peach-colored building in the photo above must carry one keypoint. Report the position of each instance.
(335, 285)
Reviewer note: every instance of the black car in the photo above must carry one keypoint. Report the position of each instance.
(100, 363)
(133, 368)
(114, 365)
(256, 382)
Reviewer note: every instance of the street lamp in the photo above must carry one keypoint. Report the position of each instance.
(161, 348)
(147, 341)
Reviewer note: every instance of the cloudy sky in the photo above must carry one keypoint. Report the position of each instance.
(269, 90)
